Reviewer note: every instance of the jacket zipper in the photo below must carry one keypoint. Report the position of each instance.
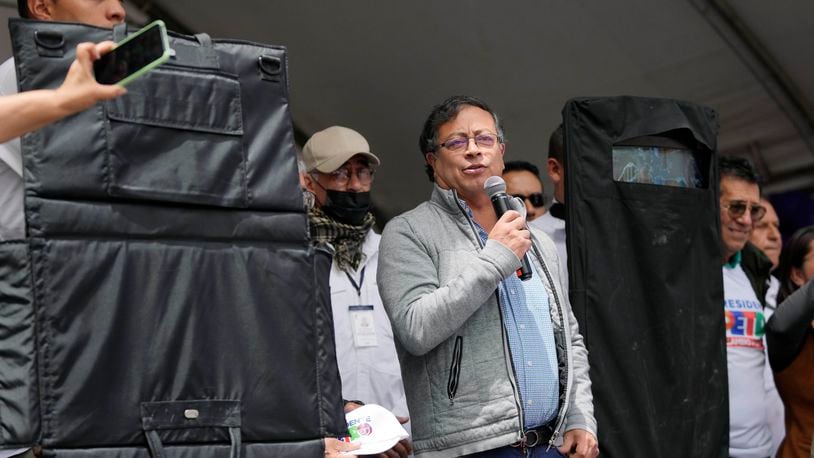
(563, 405)
(506, 349)
(455, 369)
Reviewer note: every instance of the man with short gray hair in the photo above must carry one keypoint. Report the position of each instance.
(493, 366)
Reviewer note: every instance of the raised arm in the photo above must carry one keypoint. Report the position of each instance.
(424, 310)
(27, 111)
(787, 328)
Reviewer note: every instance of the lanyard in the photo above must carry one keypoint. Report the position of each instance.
(357, 287)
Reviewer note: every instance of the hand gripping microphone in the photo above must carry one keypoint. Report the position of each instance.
(496, 189)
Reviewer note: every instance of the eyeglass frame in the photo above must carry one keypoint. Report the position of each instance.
(495, 138)
(524, 198)
(336, 178)
(336, 175)
(756, 211)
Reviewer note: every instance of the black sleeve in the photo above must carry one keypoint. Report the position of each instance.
(787, 328)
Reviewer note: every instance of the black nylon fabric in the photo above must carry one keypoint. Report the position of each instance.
(299, 449)
(646, 286)
(168, 267)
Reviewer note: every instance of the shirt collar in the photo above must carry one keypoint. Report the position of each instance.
(734, 261)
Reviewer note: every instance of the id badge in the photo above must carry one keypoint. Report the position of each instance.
(363, 326)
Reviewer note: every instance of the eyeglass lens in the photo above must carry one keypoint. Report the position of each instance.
(342, 176)
(461, 142)
(738, 207)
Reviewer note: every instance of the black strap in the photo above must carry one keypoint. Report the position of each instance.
(194, 414)
(204, 39)
(157, 447)
(357, 287)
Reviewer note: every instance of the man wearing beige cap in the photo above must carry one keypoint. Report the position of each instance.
(338, 173)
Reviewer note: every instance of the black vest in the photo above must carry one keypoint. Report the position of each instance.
(167, 297)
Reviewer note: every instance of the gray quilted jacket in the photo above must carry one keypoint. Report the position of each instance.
(439, 286)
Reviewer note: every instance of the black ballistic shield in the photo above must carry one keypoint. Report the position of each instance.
(645, 272)
(166, 301)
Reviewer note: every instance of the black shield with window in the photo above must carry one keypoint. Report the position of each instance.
(645, 272)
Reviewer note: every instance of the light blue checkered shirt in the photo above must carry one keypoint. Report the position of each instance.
(526, 317)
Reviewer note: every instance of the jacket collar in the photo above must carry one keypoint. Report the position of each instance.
(445, 198)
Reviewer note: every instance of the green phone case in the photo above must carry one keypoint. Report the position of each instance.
(165, 42)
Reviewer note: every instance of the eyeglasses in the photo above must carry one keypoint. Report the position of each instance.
(737, 208)
(460, 142)
(342, 176)
(535, 199)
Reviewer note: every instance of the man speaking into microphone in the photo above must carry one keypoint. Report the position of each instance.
(493, 365)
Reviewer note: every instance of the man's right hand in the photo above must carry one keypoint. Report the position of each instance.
(510, 231)
(80, 90)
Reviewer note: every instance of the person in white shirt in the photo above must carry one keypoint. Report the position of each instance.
(552, 222)
(523, 181)
(100, 13)
(339, 170)
(745, 276)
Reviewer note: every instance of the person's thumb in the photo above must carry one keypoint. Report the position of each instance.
(111, 92)
(567, 443)
(402, 420)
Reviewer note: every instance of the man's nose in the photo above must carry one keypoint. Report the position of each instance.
(530, 210)
(354, 183)
(472, 147)
(115, 12)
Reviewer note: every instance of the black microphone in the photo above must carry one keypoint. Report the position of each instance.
(496, 189)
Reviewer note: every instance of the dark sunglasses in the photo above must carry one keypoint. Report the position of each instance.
(737, 208)
(536, 199)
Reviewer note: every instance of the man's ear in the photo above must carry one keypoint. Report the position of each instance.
(430, 158)
(307, 182)
(554, 169)
(40, 9)
(796, 276)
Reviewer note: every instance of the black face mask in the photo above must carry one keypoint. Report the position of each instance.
(347, 207)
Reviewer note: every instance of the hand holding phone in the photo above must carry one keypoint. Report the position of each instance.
(31, 110)
(80, 90)
(134, 56)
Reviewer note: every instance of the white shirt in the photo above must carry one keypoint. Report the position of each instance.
(371, 374)
(555, 228)
(749, 432)
(12, 218)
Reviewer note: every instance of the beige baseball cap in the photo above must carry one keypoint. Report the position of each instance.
(328, 149)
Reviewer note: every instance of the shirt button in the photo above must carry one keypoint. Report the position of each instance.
(513, 291)
(522, 326)
(530, 364)
(530, 402)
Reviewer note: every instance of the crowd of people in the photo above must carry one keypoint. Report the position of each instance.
(449, 289)
(431, 321)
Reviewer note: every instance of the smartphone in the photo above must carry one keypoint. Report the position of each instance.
(134, 56)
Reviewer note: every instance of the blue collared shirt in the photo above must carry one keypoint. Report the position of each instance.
(524, 306)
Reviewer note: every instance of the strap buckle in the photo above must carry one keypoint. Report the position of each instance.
(533, 437)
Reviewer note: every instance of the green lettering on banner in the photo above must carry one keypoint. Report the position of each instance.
(760, 324)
